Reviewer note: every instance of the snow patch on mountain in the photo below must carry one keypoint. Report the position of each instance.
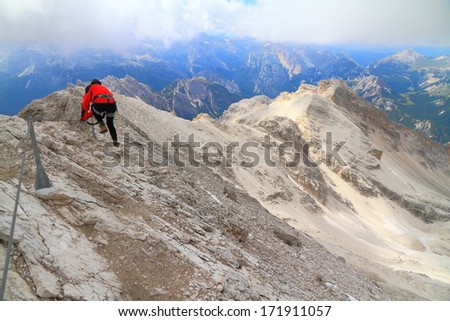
(27, 71)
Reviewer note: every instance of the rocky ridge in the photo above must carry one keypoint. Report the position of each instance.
(368, 222)
(135, 232)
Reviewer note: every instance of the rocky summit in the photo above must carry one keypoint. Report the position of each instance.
(313, 195)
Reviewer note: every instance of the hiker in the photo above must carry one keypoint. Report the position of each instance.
(103, 104)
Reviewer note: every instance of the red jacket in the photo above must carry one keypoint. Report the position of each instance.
(96, 94)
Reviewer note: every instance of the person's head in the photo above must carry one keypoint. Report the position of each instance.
(95, 81)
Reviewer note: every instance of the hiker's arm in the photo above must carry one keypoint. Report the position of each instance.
(86, 102)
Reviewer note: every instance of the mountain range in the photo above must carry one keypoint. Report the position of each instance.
(413, 89)
(209, 73)
(312, 195)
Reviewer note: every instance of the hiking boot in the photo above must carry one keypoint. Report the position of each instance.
(116, 144)
(103, 128)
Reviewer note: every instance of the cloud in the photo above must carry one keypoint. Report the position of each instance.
(120, 24)
(353, 21)
(113, 23)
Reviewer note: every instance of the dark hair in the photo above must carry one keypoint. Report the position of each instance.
(95, 81)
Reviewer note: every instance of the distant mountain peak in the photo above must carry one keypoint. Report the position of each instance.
(407, 56)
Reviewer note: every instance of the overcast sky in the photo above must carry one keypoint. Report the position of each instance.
(121, 23)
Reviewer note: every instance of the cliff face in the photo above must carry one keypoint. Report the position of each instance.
(185, 98)
(229, 218)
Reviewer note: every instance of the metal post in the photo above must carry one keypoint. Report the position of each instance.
(93, 132)
(42, 180)
(13, 222)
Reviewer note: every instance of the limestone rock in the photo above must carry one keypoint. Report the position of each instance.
(126, 226)
(47, 285)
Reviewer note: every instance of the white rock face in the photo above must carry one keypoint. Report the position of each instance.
(116, 225)
(46, 283)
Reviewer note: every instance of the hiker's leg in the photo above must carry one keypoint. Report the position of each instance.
(98, 118)
(110, 124)
(97, 114)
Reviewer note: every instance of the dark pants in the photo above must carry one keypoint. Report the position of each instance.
(108, 110)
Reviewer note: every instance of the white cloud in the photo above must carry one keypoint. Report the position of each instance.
(119, 23)
(355, 21)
